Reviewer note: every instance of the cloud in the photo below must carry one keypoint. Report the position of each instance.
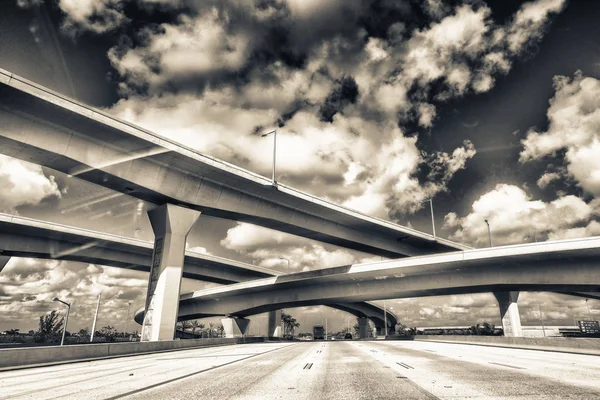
(574, 126)
(515, 218)
(31, 284)
(23, 183)
(270, 249)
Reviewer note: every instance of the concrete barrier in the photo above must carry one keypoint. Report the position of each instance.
(27, 357)
(560, 344)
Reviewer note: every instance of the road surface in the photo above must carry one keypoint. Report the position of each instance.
(318, 370)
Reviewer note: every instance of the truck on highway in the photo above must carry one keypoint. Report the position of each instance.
(318, 332)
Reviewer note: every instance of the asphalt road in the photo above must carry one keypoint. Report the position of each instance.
(318, 370)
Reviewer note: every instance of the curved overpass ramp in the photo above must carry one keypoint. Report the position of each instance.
(559, 266)
(26, 237)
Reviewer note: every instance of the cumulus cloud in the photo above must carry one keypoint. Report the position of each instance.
(574, 126)
(270, 249)
(23, 183)
(515, 218)
(31, 284)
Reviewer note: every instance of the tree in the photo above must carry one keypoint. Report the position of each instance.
(12, 332)
(289, 324)
(486, 330)
(50, 329)
(197, 325)
(220, 330)
(108, 332)
(404, 330)
(184, 326)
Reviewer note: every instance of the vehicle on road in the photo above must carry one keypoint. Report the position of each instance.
(348, 336)
(318, 332)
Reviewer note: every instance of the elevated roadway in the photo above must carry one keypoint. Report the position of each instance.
(27, 237)
(49, 129)
(558, 266)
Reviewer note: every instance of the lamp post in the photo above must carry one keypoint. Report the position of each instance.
(432, 219)
(95, 319)
(126, 319)
(384, 321)
(274, 132)
(542, 319)
(62, 341)
(588, 307)
(489, 232)
(288, 262)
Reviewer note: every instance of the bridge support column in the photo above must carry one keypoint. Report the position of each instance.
(235, 327)
(274, 324)
(363, 327)
(171, 225)
(509, 312)
(3, 261)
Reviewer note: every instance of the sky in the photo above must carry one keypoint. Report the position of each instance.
(490, 108)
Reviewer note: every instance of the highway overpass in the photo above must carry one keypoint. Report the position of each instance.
(27, 237)
(557, 266)
(46, 128)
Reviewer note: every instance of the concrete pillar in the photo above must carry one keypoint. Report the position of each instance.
(235, 327)
(171, 225)
(509, 312)
(3, 261)
(363, 327)
(274, 324)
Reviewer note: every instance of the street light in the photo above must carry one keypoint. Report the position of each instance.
(127, 319)
(62, 341)
(274, 132)
(489, 232)
(588, 307)
(432, 219)
(384, 320)
(288, 261)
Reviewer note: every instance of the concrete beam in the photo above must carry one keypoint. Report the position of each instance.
(235, 327)
(27, 237)
(171, 225)
(509, 313)
(274, 324)
(363, 328)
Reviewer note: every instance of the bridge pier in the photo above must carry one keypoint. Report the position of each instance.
(274, 324)
(509, 312)
(171, 225)
(235, 327)
(363, 327)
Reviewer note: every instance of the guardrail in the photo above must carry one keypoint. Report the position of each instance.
(560, 344)
(28, 357)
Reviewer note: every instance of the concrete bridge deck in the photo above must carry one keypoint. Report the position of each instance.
(49, 129)
(558, 266)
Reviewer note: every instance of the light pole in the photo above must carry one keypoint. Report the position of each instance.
(588, 307)
(126, 319)
(62, 341)
(489, 232)
(542, 319)
(432, 219)
(288, 261)
(95, 319)
(274, 132)
(384, 321)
